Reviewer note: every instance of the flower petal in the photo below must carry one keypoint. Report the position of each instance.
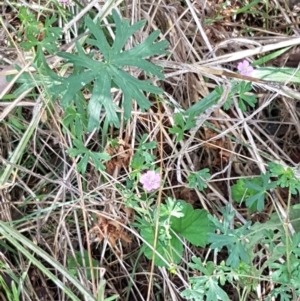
(245, 68)
(144, 179)
(150, 180)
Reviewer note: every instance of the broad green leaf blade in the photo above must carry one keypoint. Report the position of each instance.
(82, 164)
(74, 84)
(258, 199)
(254, 185)
(194, 294)
(194, 226)
(136, 56)
(199, 179)
(218, 241)
(97, 158)
(122, 78)
(45, 78)
(197, 264)
(110, 72)
(100, 41)
(282, 75)
(143, 102)
(73, 152)
(241, 193)
(215, 292)
(171, 252)
(142, 64)
(237, 254)
(205, 103)
(123, 32)
(147, 48)
(265, 58)
(101, 97)
(82, 59)
(131, 90)
(238, 191)
(250, 99)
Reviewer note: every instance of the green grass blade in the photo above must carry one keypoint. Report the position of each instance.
(20, 242)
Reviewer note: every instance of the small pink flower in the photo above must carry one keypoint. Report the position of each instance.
(150, 180)
(63, 1)
(245, 68)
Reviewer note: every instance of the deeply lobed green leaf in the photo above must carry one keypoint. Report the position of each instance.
(107, 73)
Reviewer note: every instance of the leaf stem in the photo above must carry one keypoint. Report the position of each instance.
(287, 235)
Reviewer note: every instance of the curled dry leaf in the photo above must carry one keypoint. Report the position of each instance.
(111, 230)
(188, 195)
(129, 212)
(121, 156)
(220, 145)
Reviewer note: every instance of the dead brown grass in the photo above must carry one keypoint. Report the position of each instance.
(56, 205)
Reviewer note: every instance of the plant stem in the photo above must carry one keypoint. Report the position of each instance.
(287, 235)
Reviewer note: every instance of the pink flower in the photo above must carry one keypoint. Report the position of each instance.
(63, 1)
(150, 180)
(245, 68)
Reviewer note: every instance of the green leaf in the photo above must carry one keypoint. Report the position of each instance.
(276, 169)
(206, 285)
(294, 218)
(237, 254)
(79, 262)
(104, 75)
(286, 177)
(233, 239)
(171, 250)
(282, 291)
(235, 88)
(182, 124)
(82, 164)
(97, 158)
(236, 249)
(270, 56)
(248, 8)
(205, 268)
(40, 36)
(101, 98)
(123, 32)
(196, 294)
(172, 208)
(295, 242)
(215, 292)
(282, 75)
(260, 191)
(197, 179)
(142, 158)
(194, 226)
(240, 192)
(46, 78)
(205, 103)
(243, 97)
(219, 241)
(75, 121)
(86, 154)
